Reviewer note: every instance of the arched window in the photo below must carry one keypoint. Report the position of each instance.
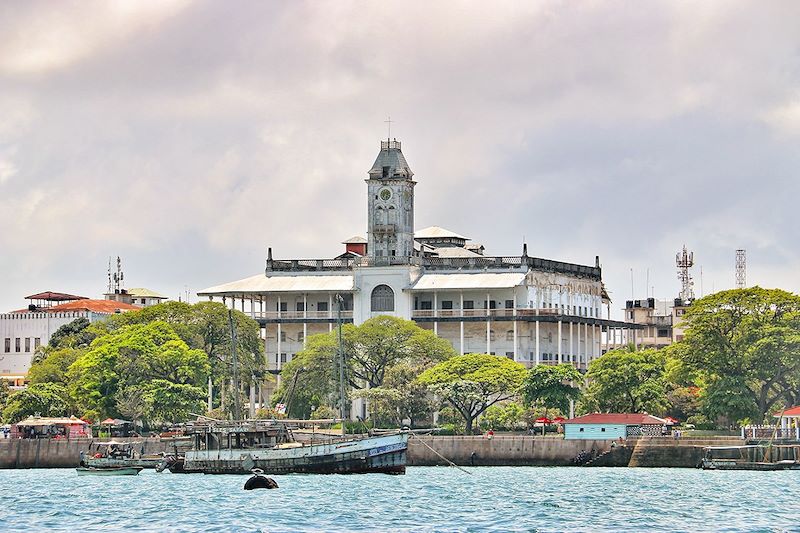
(382, 298)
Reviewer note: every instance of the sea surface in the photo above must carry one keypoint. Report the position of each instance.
(425, 499)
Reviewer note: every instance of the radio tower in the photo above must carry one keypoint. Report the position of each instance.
(685, 260)
(741, 269)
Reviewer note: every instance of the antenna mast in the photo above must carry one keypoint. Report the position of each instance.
(741, 269)
(685, 260)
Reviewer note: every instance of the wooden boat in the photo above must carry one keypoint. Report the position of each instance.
(118, 454)
(237, 447)
(751, 457)
(109, 470)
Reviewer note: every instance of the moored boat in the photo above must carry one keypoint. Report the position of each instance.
(237, 447)
(109, 470)
(118, 454)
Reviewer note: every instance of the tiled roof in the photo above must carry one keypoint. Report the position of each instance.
(792, 411)
(435, 232)
(629, 419)
(356, 239)
(141, 292)
(96, 306)
(54, 296)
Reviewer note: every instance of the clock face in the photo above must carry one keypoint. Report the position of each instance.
(385, 194)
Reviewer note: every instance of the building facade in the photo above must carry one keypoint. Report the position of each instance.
(532, 310)
(660, 321)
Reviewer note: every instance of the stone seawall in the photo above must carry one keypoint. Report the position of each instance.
(505, 450)
(53, 453)
(502, 450)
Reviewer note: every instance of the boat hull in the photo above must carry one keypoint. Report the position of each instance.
(385, 454)
(109, 471)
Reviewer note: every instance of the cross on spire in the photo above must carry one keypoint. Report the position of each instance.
(389, 122)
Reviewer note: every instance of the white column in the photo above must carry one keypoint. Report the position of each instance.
(593, 353)
(538, 354)
(571, 346)
(278, 355)
(488, 327)
(516, 354)
(305, 319)
(461, 324)
(559, 341)
(435, 313)
(330, 312)
(210, 394)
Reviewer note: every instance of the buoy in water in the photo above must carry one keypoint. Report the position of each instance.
(259, 481)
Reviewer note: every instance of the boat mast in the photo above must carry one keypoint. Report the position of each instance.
(339, 302)
(237, 410)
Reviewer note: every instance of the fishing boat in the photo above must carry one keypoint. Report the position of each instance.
(238, 447)
(109, 470)
(751, 457)
(118, 454)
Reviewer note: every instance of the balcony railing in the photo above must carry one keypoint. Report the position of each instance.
(290, 315)
(520, 311)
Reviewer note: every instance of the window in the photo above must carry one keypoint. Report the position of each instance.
(27, 344)
(301, 337)
(663, 333)
(447, 304)
(283, 336)
(37, 342)
(492, 304)
(679, 312)
(426, 305)
(282, 307)
(385, 172)
(300, 306)
(510, 335)
(581, 430)
(491, 335)
(382, 298)
(17, 345)
(8, 345)
(322, 306)
(283, 358)
(603, 430)
(510, 355)
(509, 304)
(469, 304)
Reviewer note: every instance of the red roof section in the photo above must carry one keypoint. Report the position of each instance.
(629, 419)
(791, 411)
(97, 306)
(54, 296)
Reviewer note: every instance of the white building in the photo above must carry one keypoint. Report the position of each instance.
(23, 331)
(535, 311)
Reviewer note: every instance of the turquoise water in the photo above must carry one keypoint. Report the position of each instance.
(425, 499)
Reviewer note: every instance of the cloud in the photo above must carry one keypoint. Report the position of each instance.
(189, 137)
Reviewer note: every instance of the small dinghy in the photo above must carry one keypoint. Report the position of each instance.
(109, 471)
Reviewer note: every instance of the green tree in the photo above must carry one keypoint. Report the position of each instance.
(551, 386)
(371, 350)
(401, 397)
(53, 367)
(506, 416)
(743, 346)
(45, 399)
(473, 382)
(166, 401)
(627, 381)
(130, 357)
(73, 334)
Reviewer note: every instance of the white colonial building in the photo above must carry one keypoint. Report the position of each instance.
(535, 311)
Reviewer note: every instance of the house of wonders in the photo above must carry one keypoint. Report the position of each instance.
(533, 310)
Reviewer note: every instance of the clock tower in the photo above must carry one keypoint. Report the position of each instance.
(390, 193)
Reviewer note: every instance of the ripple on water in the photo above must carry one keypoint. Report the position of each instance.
(425, 499)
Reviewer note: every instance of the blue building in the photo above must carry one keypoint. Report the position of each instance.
(612, 426)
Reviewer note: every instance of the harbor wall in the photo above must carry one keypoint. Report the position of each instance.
(64, 453)
(427, 450)
(520, 450)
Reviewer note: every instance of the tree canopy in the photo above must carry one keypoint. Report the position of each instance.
(379, 347)
(627, 381)
(473, 382)
(742, 347)
(552, 386)
(44, 399)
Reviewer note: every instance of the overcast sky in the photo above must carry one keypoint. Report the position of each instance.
(187, 137)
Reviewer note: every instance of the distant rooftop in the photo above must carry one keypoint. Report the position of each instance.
(141, 292)
(436, 232)
(390, 162)
(51, 296)
(356, 239)
(95, 306)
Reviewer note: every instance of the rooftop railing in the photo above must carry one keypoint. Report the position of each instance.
(437, 263)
